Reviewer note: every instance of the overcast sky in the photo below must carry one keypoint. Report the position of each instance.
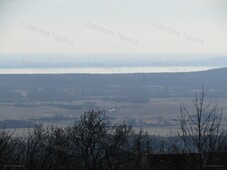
(113, 26)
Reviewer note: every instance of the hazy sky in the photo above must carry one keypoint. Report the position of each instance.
(113, 26)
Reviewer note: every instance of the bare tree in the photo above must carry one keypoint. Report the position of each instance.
(10, 150)
(143, 151)
(98, 145)
(200, 130)
(87, 137)
(35, 148)
(58, 149)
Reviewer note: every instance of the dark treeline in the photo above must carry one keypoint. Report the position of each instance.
(93, 143)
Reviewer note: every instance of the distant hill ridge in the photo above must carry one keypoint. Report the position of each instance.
(216, 78)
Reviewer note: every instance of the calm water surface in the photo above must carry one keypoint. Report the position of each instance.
(103, 70)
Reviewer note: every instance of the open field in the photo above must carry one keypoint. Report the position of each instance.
(158, 116)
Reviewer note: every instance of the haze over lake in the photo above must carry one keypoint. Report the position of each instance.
(108, 64)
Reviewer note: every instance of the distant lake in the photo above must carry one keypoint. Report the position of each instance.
(104, 70)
